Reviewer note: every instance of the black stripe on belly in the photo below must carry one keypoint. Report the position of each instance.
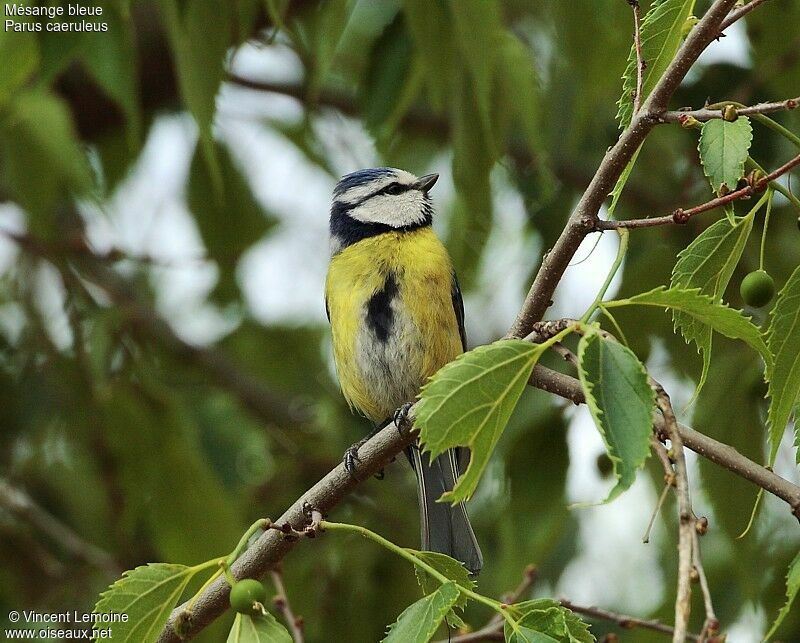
(379, 309)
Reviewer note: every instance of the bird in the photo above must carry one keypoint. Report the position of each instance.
(397, 316)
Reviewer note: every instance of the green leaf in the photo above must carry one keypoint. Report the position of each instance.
(419, 621)
(544, 620)
(258, 629)
(44, 162)
(110, 56)
(707, 264)
(473, 159)
(391, 82)
(526, 635)
(621, 402)
(616, 193)
(469, 401)
(450, 567)
(661, 35)
(147, 595)
(783, 339)
(727, 321)
(430, 26)
(477, 27)
(229, 223)
(200, 33)
(723, 150)
(792, 587)
(19, 52)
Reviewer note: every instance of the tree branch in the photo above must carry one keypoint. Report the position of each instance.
(681, 216)
(707, 114)
(585, 215)
(625, 622)
(281, 601)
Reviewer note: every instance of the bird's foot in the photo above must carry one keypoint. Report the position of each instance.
(350, 458)
(401, 418)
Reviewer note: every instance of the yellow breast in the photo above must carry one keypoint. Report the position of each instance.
(378, 374)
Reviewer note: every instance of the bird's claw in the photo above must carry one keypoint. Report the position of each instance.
(401, 419)
(351, 459)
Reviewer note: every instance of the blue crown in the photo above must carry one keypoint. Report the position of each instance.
(360, 177)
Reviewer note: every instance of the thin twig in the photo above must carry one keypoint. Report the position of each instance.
(625, 622)
(20, 504)
(685, 523)
(711, 623)
(735, 15)
(281, 601)
(637, 45)
(707, 114)
(681, 216)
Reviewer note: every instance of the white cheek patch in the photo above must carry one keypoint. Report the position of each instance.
(397, 211)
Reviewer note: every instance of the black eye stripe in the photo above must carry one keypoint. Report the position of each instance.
(391, 189)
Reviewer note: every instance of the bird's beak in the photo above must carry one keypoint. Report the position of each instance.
(425, 183)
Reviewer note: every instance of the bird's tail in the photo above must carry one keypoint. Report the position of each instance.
(445, 528)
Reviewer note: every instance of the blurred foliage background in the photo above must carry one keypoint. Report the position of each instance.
(157, 425)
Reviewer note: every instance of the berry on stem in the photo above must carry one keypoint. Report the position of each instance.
(757, 288)
(245, 594)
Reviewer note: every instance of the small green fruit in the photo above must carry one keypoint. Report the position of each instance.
(245, 594)
(757, 288)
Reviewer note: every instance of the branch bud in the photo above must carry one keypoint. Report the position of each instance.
(701, 525)
(729, 113)
(688, 121)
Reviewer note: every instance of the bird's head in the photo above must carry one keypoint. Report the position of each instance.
(376, 200)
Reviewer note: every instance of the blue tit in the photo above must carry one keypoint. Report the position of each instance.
(396, 317)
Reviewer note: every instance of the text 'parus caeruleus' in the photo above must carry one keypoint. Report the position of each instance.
(396, 317)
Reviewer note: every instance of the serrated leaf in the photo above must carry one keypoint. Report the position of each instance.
(723, 150)
(544, 620)
(257, 629)
(783, 339)
(469, 401)
(450, 567)
(419, 622)
(727, 321)
(707, 264)
(621, 402)
(792, 588)
(661, 35)
(147, 595)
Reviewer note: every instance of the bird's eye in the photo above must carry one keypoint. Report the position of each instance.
(394, 189)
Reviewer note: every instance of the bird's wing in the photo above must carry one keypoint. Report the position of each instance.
(458, 307)
(327, 310)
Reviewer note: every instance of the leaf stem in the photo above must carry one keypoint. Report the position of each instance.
(621, 250)
(408, 555)
(768, 196)
(261, 523)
